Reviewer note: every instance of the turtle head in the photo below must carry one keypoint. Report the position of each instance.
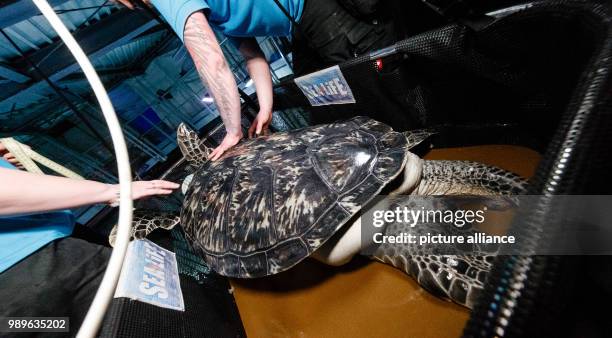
(416, 137)
(194, 151)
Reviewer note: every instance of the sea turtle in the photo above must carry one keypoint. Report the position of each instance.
(271, 202)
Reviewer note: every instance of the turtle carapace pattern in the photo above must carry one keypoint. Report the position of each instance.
(270, 202)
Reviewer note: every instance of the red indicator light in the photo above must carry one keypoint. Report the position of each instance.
(379, 64)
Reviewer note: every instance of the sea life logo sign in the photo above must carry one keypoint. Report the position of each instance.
(326, 87)
(150, 275)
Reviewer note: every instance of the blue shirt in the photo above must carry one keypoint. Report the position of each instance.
(234, 18)
(21, 236)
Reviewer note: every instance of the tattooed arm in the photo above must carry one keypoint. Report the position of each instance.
(202, 44)
(260, 73)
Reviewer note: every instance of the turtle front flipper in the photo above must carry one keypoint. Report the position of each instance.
(192, 148)
(458, 277)
(145, 222)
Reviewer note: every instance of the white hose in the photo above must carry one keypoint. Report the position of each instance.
(105, 293)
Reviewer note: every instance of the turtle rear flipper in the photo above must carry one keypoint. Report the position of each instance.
(458, 277)
(145, 222)
(191, 146)
(467, 178)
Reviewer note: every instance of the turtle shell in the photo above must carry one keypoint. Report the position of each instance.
(271, 201)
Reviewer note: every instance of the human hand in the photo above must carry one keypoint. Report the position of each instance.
(229, 141)
(9, 157)
(143, 189)
(261, 124)
(129, 3)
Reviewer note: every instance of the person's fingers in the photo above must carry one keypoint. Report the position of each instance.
(169, 185)
(152, 192)
(159, 184)
(228, 142)
(259, 126)
(142, 189)
(165, 184)
(160, 192)
(127, 3)
(218, 154)
(252, 129)
(10, 158)
(214, 153)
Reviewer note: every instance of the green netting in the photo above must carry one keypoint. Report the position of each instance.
(189, 263)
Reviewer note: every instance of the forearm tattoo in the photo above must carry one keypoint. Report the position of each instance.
(212, 67)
